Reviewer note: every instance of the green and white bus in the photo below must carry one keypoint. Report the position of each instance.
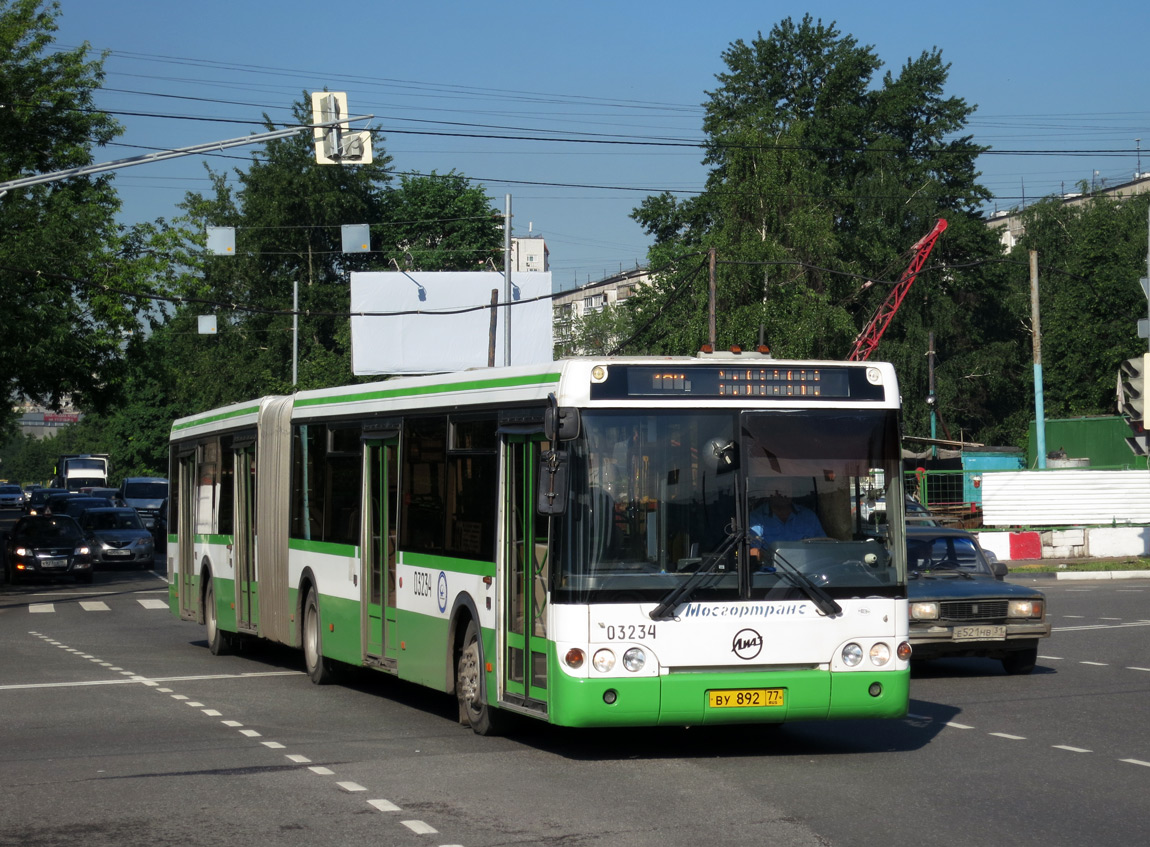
(581, 542)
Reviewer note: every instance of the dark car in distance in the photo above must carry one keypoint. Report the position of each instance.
(118, 536)
(960, 605)
(47, 546)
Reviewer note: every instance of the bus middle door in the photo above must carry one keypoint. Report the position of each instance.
(380, 496)
(524, 610)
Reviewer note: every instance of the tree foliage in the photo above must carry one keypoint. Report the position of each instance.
(63, 312)
(821, 178)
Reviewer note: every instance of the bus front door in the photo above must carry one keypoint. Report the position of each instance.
(524, 610)
(380, 493)
(243, 548)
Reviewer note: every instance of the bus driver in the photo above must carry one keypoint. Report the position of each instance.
(779, 518)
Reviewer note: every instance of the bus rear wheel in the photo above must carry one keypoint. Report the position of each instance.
(319, 669)
(219, 642)
(471, 688)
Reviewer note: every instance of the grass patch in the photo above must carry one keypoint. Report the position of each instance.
(1054, 566)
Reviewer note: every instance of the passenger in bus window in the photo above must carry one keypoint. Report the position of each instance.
(779, 518)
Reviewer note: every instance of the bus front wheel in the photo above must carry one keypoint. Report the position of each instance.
(471, 689)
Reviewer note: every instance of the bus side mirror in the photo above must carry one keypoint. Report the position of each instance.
(561, 423)
(551, 498)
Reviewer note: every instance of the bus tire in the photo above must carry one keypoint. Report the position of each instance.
(319, 669)
(471, 687)
(219, 642)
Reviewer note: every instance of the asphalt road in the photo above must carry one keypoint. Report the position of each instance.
(117, 726)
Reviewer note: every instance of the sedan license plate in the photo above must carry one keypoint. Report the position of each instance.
(737, 698)
(117, 553)
(982, 632)
(53, 563)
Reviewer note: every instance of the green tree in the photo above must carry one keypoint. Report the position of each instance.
(1090, 257)
(60, 303)
(820, 180)
(441, 223)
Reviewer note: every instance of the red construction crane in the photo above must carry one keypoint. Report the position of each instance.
(869, 337)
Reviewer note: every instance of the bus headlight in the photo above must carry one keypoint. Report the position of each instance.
(603, 660)
(879, 654)
(852, 655)
(634, 659)
(924, 611)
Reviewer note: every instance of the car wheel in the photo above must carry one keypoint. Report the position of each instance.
(1020, 661)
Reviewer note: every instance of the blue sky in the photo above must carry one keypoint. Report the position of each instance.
(451, 83)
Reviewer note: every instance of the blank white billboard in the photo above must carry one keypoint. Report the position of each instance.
(430, 322)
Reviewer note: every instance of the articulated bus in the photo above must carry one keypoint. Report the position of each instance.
(587, 542)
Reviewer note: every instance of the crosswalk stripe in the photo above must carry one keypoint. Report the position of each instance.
(94, 606)
(41, 608)
(153, 603)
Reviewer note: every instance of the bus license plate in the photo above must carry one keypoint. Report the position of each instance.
(986, 632)
(737, 698)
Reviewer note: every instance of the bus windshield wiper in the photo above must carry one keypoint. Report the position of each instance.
(707, 568)
(820, 598)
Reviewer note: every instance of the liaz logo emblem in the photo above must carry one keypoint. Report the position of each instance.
(747, 644)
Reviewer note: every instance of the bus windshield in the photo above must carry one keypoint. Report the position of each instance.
(656, 494)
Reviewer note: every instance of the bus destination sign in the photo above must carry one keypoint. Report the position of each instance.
(721, 382)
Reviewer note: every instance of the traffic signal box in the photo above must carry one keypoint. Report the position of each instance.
(1132, 400)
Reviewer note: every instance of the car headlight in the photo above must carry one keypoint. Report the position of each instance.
(1024, 609)
(634, 659)
(852, 655)
(603, 661)
(924, 611)
(22, 551)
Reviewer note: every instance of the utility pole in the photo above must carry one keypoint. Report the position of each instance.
(1036, 340)
(507, 283)
(711, 296)
(931, 399)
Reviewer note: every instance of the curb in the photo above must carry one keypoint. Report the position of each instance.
(1081, 575)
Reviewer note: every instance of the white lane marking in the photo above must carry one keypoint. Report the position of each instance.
(234, 724)
(1074, 616)
(274, 745)
(1008, 736)
(384, 805)
(42, 609)
(194, 704)
(296, 757)
(212, 713)
(351, 786)
(1071, 749)
(322, 771)
(1137, 669)
(250, 733)
(1096, 664)
(145, 680)
(94, 606)
(954, 725)
(1100, 626)
(420, 828)
(153, 603)
(1136, 762)
(1051, 658)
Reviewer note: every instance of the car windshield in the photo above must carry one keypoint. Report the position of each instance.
(121, 519)
(146, 490)
(11, 489)
(49, 529)
(945, 552)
